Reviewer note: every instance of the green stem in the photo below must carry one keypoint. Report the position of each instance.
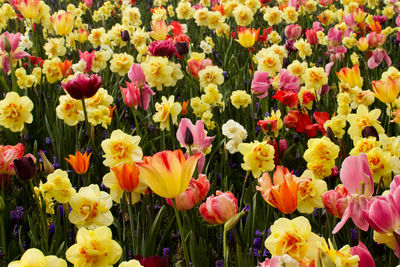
(128, 202)
(88, 125)
(183, 238)
(13, 78)
(225, 249)
(136, 121)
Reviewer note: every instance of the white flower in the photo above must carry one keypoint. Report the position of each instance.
(79, 67)
(25, 42)
(206, 47)
(234, 130)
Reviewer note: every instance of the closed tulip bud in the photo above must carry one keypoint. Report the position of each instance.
(125, 36)
(370, 131)
(188, 137)
(323, 260)
(182, 48)
(220, 208)
(25, 168)
(62, 22)
(48, 167)
(234, 220)
(7, 45)
(330, 134)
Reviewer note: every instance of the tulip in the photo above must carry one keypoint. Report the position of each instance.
(9, 48)
(201, 142)
(79, 162)
(82, 86)
(7, 156)
(182, 48)
(335, 201)
(62, 22)
(127, 176)
(28, 8)
(159, 30)
(283, 193)
(168, 173)
(220, 208)
(350, 78)
(288, 82)
(377, 57)
(25, 168)
(247, 37)
(65, 68)
(362, 44)
(88, 58)
(137, 92)
(196, 192)
(335, 37)
(125, 36)
(260, 84)
(386, 91)
(293, 31)
(376, 39)
(47, 166)
(164, 48)
(357, 179)
(311, 36)
(366, 259)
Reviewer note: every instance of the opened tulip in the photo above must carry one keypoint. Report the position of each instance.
(168, 173)
(28, 8)
(220, 208)
(82, 86)
(357, 178)
(247, 36)
(7, 156)
(9, 47)
(282, 194)
(79, 162)
(386, 91)
(350, 78)
(196, 192)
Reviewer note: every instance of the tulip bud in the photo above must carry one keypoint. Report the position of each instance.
(48, 167)
(188, 137)
(370, 131)
(182, 48)
(125, 36)
(233, 221)
(2, 205)
(323, 260)
(25, 168)
(6, 44)
(330, 134)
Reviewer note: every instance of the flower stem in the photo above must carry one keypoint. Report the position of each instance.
(128, 202)
(137, 127)
(43, 220)
(88, 125)
(183, 237)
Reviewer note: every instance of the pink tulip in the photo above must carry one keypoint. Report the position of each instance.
(288, 82)
(366, 259)
(88, 58)
(349, 20)
(325, 2)
(311, 36)
(137, 92)
(335, 201)
(200, 141)
(164, 48)
(398, 21)
(220, 208)
(88, 2)
(376, 39)
(260, 84)
(382, 214)
(335, 37)
(11, 50)
(357, 179)
(195, 66)
(377, 57)
(83, 86)
(317, 26)
(196, 192)
(293, 31)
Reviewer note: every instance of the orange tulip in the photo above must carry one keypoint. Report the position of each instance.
(127, 176)
(79, 162)
(65, 68)
(283, 194)
(386, 91)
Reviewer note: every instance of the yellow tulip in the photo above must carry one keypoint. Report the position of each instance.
(247, 37)
(386, 91)
(62, 22)
(168, 173)
(29, 8)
